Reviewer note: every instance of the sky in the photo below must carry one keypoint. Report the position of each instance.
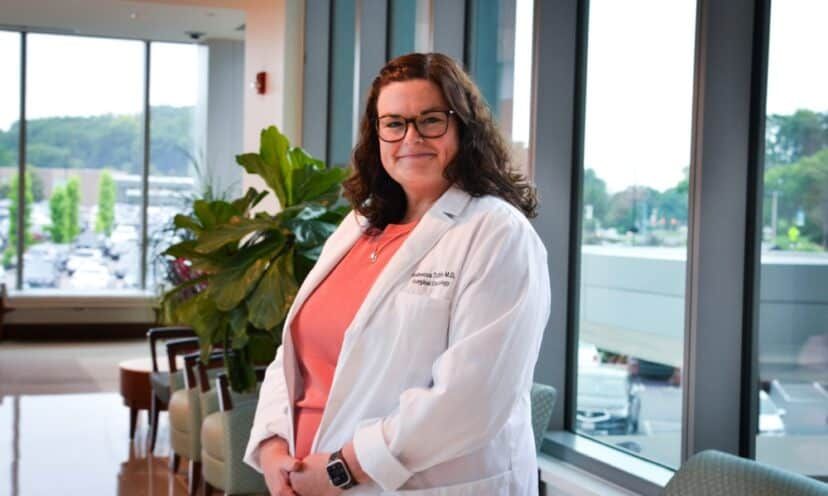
(639, 93)
(82, 76)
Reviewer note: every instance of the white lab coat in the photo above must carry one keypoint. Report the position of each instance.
(432, 382)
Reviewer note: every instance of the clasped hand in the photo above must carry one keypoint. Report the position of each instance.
(289, 476)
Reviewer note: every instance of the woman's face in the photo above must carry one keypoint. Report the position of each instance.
(415, 162)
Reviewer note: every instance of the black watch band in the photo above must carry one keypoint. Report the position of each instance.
(339, 474)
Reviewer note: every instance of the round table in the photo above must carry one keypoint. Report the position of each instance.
(136, 388)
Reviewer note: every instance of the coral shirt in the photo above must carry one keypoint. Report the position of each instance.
(319, 326)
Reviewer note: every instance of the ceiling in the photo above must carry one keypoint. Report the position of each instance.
(158, 20)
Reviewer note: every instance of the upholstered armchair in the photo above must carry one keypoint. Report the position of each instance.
(185, 416)
(713, 473)
(224, 436)
(163, 381)
(543, 402)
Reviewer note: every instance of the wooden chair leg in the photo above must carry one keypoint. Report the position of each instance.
(208, 489)
(194, 477)
(133, 419)
(155, 407)
(175, 460)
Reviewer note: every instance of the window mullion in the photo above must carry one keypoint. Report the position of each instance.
(146, 163)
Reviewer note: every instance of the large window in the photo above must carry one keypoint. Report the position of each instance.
(178, 171)
(500, 61)
(84, 202)
(9, 139)
(634, 231)
(84, 101)
(344, 104)
(793, 307)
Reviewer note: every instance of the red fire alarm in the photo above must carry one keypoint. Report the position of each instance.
(261, 83)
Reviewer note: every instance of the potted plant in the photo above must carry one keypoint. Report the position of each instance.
(245, 267)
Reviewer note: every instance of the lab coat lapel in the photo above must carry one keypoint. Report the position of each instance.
(439, 218)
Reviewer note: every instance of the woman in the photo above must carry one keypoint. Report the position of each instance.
(408, 354)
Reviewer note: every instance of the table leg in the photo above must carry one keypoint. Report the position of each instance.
(133, 418)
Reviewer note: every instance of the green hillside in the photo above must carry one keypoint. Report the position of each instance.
(113, 141)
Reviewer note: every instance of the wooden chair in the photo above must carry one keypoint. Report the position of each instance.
(163, 382)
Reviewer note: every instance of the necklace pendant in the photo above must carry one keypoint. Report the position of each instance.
(373, 256)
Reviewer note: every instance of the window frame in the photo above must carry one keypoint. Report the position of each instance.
(141, 293)
(723, 257)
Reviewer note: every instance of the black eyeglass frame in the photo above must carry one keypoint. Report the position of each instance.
(413, 120)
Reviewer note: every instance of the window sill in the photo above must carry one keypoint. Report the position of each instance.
(51, 298)
(48, 306)
(598, 469)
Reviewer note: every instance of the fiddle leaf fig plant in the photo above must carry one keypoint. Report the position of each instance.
(246, 266)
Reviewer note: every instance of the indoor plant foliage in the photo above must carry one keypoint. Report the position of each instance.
(246, 267)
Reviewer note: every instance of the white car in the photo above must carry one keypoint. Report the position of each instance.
(770, 416)
(90, 276)
(83, 256)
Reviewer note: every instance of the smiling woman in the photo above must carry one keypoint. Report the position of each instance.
(437, 270)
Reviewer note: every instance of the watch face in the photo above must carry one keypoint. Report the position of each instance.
(338, 474)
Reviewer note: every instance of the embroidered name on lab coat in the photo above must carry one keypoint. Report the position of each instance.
(436, 278)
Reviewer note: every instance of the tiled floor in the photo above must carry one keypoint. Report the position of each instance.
(64, 429)
(78, 444)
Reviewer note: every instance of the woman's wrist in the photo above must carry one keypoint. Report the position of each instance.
(349, 455)
(273, 446)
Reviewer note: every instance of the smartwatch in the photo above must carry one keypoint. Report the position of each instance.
(338, 472)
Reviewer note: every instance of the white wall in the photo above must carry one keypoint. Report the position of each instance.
(273, 44)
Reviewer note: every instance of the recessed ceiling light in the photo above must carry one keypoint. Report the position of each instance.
(133, 15)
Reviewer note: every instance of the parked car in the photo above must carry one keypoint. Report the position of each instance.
(90, 276)
(607, 401)
(770, 416)
(588, 355)
(83, 256)
(653, 371)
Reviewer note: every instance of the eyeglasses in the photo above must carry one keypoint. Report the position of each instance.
(431, 124)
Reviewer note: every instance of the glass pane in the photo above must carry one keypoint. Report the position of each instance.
(84, 141)
(402, 15)
(793, 308)
(341, 131)
(177, 162)
(9, 142)
(634, 231)
(500, 61)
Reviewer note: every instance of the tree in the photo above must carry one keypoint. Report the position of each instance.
(38, 190)
(72, 219)
(629, 209)
(595, 194)
(801, 188)
(106, 204)
(57, 210)
(793, 137)
(13, 209)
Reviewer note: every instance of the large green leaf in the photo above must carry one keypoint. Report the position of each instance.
(253, 163)
(213, 213)
(248, 201)
(310, 233)
(269, 303)
(229, 286)
(186, 222)
(274, 150)
(313, 184)
(232, 232)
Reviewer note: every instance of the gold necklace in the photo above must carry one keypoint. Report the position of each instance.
(378, 247)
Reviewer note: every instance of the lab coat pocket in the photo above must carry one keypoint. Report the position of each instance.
(491, 486)
(425, 319)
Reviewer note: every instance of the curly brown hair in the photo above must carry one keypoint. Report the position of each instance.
(482, 165)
